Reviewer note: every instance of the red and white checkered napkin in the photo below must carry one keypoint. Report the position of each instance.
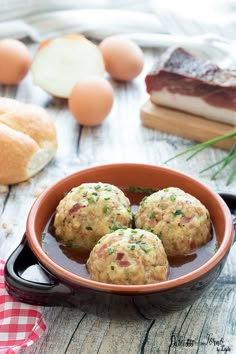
(20, 324)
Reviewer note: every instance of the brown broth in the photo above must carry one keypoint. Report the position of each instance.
(73, 260)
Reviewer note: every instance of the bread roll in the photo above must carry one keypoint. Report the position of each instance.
(27, 140)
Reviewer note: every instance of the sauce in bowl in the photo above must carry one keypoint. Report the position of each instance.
(74, 260)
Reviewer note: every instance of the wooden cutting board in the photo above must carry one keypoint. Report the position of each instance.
(185, 125)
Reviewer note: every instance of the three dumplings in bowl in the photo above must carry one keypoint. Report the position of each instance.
(127, 248)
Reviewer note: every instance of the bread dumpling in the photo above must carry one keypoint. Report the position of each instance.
(179, 219)
(90, 211)
(129, 257)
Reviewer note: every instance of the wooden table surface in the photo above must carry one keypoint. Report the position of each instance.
(209, 325)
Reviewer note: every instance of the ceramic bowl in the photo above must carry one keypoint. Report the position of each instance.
(67, 288)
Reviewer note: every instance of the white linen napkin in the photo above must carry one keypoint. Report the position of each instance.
(205, 27)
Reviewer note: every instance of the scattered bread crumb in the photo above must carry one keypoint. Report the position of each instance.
(8, 230)
(4, 188)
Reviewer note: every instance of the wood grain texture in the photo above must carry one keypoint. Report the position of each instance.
(120, 138)
(185, 125)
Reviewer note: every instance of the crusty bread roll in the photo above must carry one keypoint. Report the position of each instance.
(27, 140)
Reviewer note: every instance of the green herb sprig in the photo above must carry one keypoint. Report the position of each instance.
(222, 163)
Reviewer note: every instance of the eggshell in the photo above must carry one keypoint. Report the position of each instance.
(15, 61)
(91, 100)
(123, 58)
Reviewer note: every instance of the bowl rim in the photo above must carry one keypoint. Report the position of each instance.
(62, 274)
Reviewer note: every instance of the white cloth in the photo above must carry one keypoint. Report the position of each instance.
(206, 27)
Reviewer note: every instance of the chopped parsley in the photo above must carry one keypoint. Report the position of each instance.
(143, 200)
(133, 219)
(151, 215)
(178, 212)
(132, 247)
(68, 244)
(114, 228)
(89, 228)
(141, 190)
(173, 197)
(110, 250)
(105, 208)
(76, 246)
(145, 248)
(108, 188)
(43, 236)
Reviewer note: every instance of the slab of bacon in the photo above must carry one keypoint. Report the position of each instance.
(185, 82)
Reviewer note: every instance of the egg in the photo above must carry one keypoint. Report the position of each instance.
(91, 100)
(124, 59)
(15, 61)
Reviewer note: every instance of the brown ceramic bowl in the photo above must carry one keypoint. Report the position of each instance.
(67, 288)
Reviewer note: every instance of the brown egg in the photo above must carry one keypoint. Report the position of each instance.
(123, 58)
(15, 61)
(91, 100)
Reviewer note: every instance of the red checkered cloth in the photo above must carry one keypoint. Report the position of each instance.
(20, 324)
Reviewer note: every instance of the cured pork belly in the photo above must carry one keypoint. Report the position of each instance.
(185, 82)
